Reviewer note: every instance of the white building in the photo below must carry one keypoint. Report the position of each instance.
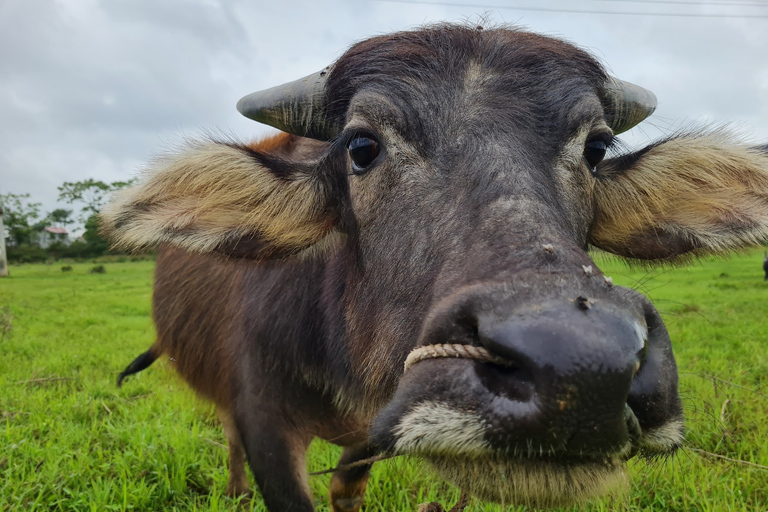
(50, 235)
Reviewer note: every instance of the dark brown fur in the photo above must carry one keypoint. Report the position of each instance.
(205, 340)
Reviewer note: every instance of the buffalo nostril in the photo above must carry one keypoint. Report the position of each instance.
(583, 303)
(511, 382)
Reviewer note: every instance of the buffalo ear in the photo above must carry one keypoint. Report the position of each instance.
(226, 198)
(692, 193)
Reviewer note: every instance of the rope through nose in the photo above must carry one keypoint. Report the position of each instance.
(454, 350)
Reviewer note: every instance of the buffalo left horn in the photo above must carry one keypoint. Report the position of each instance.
(626, 104)
(297, 107)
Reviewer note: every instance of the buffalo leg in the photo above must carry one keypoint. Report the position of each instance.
(348, 487)
(238, 480)
(276, 455)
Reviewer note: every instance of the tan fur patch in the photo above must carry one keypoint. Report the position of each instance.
(538, 484)
(347, 496)
(272, 143)
(435, 428)
(213, 194)
(664, 439)
(238, 478)
(701, 193)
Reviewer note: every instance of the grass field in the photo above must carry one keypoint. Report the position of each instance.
(70, 440)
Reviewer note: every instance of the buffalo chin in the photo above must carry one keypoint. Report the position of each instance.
(535, 483)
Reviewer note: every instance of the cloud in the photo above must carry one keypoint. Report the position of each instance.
(92, 89)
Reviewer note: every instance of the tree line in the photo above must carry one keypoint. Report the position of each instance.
(24, 221)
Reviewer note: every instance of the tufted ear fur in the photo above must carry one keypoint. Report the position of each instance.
(691, 193)
(243, 201)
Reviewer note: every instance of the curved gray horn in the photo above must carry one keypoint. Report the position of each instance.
(626, 104)
(297, 107)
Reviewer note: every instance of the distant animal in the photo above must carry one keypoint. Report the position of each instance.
(405, 270)
(765, 265)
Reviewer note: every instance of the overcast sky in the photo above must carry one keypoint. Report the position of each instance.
(92, 89)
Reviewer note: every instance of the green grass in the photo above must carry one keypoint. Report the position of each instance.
(70, 440)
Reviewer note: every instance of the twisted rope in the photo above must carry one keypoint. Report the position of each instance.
(455, 350)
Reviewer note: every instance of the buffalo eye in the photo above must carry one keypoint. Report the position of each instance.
(363, 151)
(594, 152)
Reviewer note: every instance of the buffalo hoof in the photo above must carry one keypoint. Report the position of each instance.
(436, 507)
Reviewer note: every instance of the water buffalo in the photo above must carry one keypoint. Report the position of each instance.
(765, 265)
(433, 200)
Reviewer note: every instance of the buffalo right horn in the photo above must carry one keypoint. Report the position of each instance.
(298, 107)
(626, 104)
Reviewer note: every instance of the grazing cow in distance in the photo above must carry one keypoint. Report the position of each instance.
(405, 270)
(765, 265)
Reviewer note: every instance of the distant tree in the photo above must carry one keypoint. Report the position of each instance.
(91, 234)
(20, 217)
(60, 217)
(119, 185)
(92, 194)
